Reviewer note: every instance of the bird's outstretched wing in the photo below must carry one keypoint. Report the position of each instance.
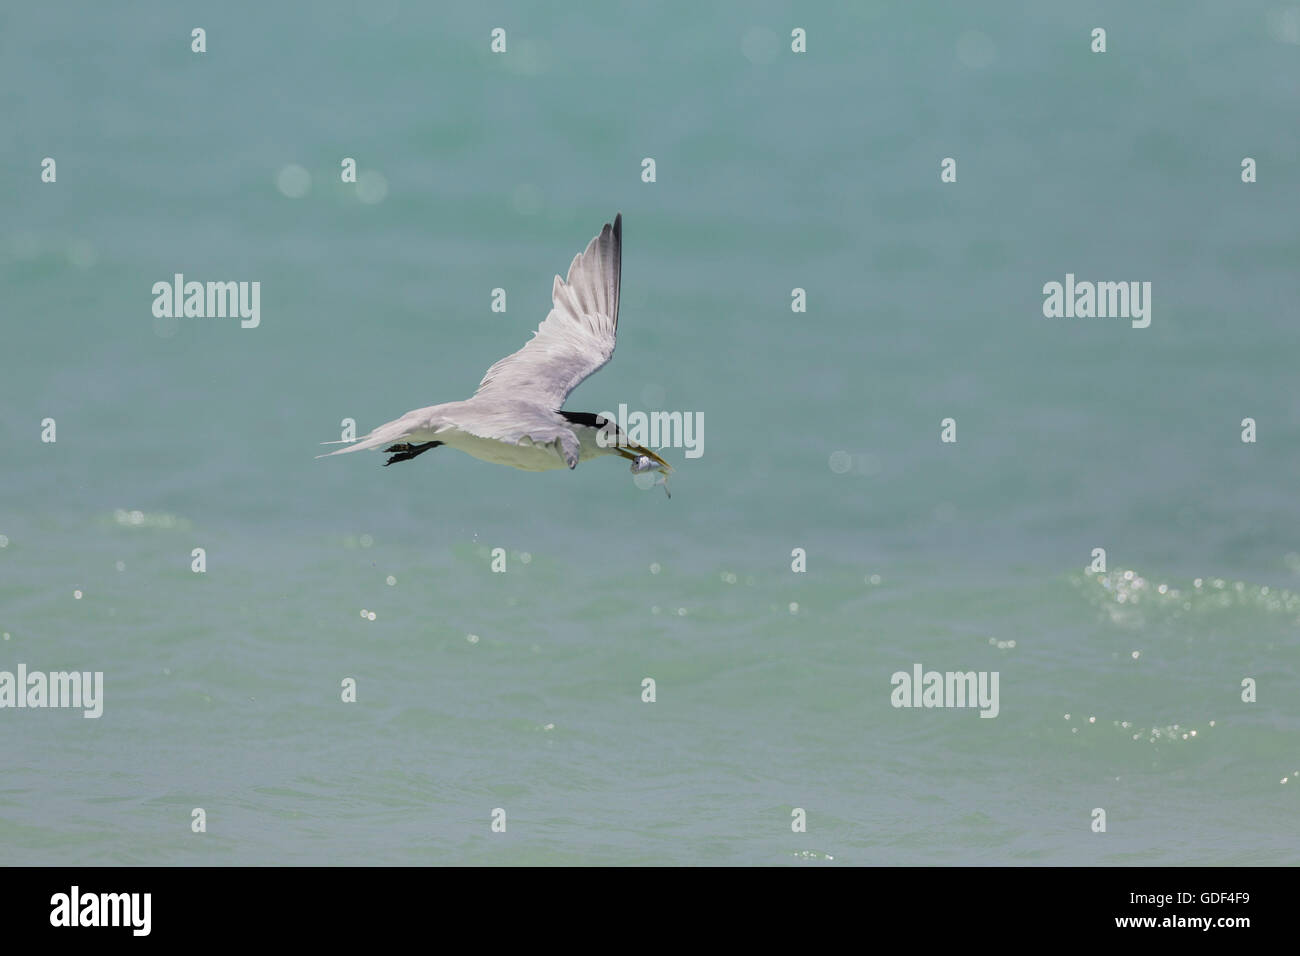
(576, 338)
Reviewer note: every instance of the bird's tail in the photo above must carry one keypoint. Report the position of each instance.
(394, 431)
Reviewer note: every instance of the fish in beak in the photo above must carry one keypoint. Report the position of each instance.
(643, 459)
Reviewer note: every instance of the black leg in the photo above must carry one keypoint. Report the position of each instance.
(406, 451)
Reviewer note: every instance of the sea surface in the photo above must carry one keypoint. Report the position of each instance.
(521, 691)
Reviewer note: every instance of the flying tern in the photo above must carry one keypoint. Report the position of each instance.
(516, 417)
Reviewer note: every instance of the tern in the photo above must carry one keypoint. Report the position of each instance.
(516, 416)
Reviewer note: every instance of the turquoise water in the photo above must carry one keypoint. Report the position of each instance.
(522, 690)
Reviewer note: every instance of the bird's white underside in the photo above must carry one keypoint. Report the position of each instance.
(524, 454)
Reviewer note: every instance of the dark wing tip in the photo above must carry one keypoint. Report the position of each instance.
(614, 230)
(616, 253)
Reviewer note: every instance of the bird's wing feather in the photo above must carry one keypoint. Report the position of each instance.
(576, 338)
